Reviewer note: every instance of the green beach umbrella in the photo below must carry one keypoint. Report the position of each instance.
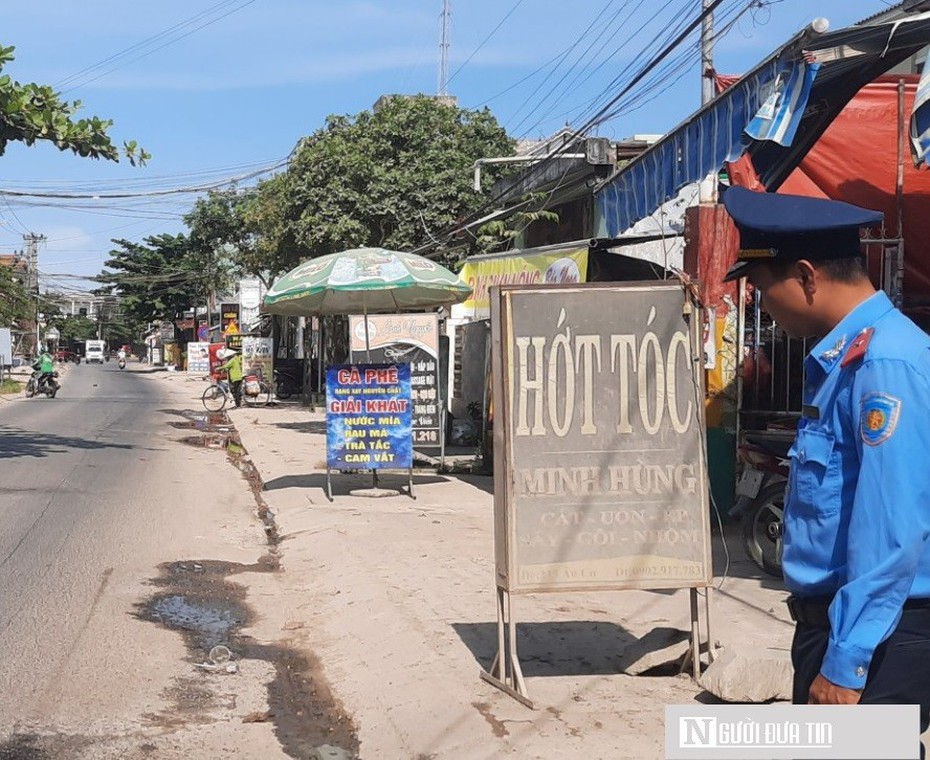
(363, 280)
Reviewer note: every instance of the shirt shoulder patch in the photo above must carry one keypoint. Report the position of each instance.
(878, 417)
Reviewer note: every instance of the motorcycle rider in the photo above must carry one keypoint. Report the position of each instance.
(122, 358)
(45, 366)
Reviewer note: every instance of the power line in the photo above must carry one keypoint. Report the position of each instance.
(634, 35)
(564, 55)
(486, 39)
(584, 129)
(143, 194)
(74, 79)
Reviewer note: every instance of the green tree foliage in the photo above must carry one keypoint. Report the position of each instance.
(155, 280)
(499, 234)
(217, 234)
(70, 327)
(15, 303)
(272, 250)
(234, 232)
(388, 177)
(31, 112)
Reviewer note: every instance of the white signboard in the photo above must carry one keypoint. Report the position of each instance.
(198, 358)
(257, 357)
(6, 347)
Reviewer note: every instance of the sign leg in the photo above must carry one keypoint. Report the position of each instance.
(329, 484)
(695, 637)
(410, 484)
(505, 672)
(711, 652)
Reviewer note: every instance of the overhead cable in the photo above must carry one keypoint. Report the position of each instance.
(79, 79)
(485, 40)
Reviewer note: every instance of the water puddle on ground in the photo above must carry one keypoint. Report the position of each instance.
(198, 600)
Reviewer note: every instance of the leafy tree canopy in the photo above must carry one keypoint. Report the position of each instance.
(70, 327)
(238, 232)
(15, 303)
(388, 177)
(31, 112)
(155, 280)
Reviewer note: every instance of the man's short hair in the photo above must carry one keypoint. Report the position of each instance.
(849, 269)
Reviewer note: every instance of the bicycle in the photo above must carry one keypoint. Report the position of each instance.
(219, 395)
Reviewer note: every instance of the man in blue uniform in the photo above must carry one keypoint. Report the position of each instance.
(857, 512)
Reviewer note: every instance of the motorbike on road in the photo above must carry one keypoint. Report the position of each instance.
(44, 384)
(760, 492)
(122, 364)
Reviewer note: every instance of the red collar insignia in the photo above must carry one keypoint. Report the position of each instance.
(858, 347)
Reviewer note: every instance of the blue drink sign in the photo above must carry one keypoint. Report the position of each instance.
(369, 417)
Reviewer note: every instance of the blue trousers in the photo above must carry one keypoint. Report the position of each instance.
(899, 673)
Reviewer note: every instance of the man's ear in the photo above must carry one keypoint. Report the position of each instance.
(808, 275)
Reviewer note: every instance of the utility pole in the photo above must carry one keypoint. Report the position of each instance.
(32, 276)
(707, 54)
(708, 184)
(444, 40)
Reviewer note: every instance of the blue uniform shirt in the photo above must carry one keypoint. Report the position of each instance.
(857, 511)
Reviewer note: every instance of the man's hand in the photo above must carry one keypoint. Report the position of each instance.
(824, 692)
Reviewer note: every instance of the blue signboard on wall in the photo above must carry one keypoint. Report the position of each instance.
(369, 417)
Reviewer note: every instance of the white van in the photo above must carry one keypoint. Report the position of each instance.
(94, 351)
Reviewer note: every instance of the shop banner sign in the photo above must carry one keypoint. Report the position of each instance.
(600, 465)
(557, 268)
(198, 358)
(257, 357)
(369, 417)
(413, 339)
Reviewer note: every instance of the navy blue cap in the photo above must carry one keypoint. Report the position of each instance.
(793, 227)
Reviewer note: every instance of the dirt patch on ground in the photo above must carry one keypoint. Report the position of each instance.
(197, 599)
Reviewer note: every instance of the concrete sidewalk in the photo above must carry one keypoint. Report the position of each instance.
(396, 599)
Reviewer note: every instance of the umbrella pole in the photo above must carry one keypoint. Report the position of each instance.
(374, 473)
(367, 345)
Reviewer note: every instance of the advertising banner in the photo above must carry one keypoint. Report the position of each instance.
(229, 318)
(257, 357)
(215, 361)
(198, 358)
(558, 268)
(412, 339)
(368, 417)
(250, 301)
(600, 465)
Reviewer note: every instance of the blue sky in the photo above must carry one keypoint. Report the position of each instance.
(237, 94)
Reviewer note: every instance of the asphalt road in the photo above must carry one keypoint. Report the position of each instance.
(97, 497)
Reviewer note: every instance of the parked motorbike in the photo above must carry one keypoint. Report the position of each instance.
(286, 384)
(45, 385)
(761, 493)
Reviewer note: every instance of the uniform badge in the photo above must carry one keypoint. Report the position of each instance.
(878, 417)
